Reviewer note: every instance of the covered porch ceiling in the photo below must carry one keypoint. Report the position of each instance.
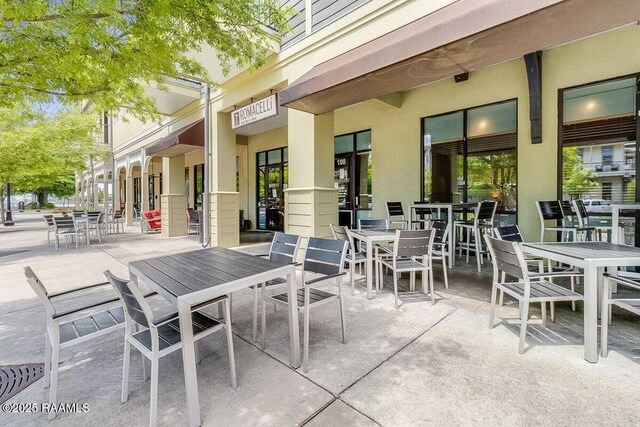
(464, 36)
(179, 94)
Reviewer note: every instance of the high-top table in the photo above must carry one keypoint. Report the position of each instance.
(593, 258)
(449, 207)
(191, 278)
(369, 237)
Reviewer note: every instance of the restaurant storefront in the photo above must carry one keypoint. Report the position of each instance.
(495, 133)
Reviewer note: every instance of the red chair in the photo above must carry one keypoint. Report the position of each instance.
(150, 221)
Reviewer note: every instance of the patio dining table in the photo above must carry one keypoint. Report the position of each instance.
(370, 237)
(192, 278)
(450, 208)
(593, 258)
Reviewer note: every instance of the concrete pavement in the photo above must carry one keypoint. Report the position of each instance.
(417, 365)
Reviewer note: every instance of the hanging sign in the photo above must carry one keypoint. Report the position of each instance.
(256, 111)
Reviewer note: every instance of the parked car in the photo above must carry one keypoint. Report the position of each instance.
(597, 205)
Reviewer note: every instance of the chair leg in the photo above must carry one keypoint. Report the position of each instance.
(412, 281)
(343, 319)
(255, 312)
(47, 359)
(543, 313)
(126, 360)
(226, 313)
(444, 270)
(492, 312)
(55, 360)
(478, 245)
(524, 317)
(305, 357)
(573, 288)
(605, 318)
(395, 288)
(352, 267)
(263, 319)
(431, 290)
(552, 305)
(197, 352)
(153, 402)
(501, 298)
(468, 243)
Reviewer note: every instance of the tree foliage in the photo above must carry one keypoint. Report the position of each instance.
(107, 51)
(40, 150)
(576, 178)
(493, 176)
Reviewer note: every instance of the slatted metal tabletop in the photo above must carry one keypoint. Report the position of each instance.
(593, 258)
(191, 278)
(370, 236)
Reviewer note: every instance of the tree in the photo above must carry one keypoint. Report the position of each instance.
(40, 150)
(576, 178)
(107, 51)
(493, 176)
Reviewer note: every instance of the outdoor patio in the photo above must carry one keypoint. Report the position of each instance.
(416, 365)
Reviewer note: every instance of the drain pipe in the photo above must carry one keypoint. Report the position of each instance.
(206, 214)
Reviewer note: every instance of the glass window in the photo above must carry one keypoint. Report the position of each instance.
(343, 144)
(472, 162)
(274, 156)
(607, 155)
(262, 158)
(363, 140)
(613, 98)
(446, 127)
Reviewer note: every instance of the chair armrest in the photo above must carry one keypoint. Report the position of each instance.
(65, 313)
(260, 255)
(320, 279)
(555, 274)
(82, 288)
(623, 281)
(173, 316)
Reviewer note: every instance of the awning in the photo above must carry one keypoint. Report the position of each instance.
(181, 141)
(465, 36)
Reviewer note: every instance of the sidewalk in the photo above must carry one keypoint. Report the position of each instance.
(417, 365)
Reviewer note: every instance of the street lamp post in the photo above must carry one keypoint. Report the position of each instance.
(8, 219)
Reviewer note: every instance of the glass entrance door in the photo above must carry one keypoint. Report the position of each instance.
(272, 181)
(352, 176)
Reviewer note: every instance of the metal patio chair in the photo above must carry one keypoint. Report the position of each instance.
(66, 227)
(116, 222)
(630, 304)
(326, 259)
(422, 215)
(156, 337)
(96, 224)
(70, 326)
(284, 248)
(408, 246)
(353, 257)
(481, 224)
(51, 227)
(441, 246)
(193, 221)
(394, 210)
(552, 210)
(584, 222)
(508, 258)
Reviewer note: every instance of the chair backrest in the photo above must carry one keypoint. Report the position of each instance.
(441, 229)
(486, 211)
(134, 303)
(394, 209)
(101, 218)
(325, 256)
(421, 211)
(62, 222)
(78, 214)
(549, 210)
(194, 217)
(117, 214)
(49, 219)
(40, 290)
(413, 243)
(284, 247)
(364, 224)
(506, 257)
(581, 212)
(509, 233)
(339, 232)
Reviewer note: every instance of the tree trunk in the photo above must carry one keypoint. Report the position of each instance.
(2, 200)
(43, 197)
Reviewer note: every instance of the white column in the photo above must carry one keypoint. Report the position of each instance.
(311, 201)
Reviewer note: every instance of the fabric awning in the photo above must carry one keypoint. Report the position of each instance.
(181, 141)
(464, 36)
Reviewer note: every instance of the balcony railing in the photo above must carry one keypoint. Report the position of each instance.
(627, 167)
